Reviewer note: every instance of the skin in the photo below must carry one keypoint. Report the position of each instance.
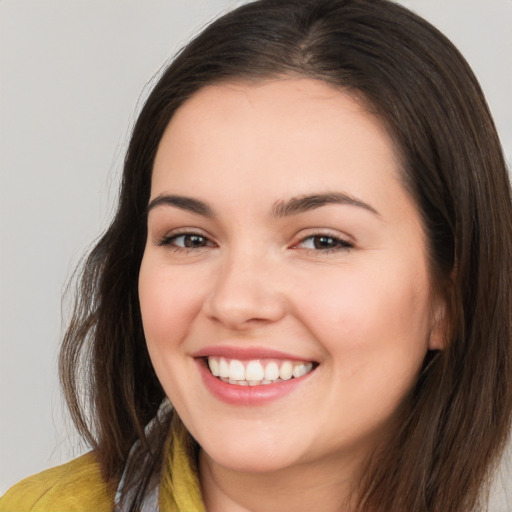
(357, 302)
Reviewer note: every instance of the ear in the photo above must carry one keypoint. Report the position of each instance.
(439, 329)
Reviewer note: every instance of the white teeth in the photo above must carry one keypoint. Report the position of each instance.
(239, 382)
(257, 372)
(236, 370)
(214, 366)
(271, 371)
(286, 370)
(299, 370)
(223, 368)
(254, 371)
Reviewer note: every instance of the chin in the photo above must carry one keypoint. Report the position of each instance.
(250, 461)
(250, 453)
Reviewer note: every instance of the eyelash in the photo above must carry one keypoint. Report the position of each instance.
(169, 241)
(336, 244)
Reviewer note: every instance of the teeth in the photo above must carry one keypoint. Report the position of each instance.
(214, 366)
(257, 372)
(236, 370)
(254, 371)
(301, 369)
(223, 368)
(271, 371)
(286, 370)
(236, 381)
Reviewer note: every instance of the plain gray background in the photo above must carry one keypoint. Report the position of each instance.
(73, 74)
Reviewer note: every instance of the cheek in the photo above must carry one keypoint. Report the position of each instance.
(363, 316)
(374, 330)
(168, 304)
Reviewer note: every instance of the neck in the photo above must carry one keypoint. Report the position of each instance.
(302, 488)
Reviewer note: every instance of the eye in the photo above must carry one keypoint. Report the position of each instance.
(324, 243)
(186, 241)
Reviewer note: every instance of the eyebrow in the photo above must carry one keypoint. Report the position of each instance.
(184, 203)
(300, 204)
(292, 206)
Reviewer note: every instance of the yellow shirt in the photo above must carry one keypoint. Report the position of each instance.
(73, 487)
(78, 487)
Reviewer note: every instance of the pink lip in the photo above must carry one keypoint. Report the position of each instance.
(245, 353)
(234, 394)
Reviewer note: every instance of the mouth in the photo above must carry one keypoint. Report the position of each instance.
(252, 376)
(257, 372)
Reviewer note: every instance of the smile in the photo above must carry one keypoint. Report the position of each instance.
(256, 372)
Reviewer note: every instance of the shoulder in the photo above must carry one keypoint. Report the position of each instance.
(73, 487)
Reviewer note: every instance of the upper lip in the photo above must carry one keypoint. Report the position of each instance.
(246, 353)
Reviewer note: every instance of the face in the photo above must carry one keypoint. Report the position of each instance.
(284, 287)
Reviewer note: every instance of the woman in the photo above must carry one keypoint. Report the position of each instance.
(311, 261)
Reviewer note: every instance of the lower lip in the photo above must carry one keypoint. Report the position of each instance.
(234, 394)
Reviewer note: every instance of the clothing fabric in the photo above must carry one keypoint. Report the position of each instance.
(78, 487)
(73, 487)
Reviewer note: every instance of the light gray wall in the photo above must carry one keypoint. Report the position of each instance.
(71, 76)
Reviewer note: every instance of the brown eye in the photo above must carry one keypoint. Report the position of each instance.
(192, 241)
(187, 241)
(324, 243)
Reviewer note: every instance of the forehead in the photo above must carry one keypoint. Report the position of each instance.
(300, 123)
(306, 105)
(240, 145)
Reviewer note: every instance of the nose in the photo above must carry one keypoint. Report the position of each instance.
(246, 293)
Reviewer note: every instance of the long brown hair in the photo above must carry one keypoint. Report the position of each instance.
(456, 420)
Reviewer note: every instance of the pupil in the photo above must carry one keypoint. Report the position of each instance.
(321, 242)
(194, 241)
